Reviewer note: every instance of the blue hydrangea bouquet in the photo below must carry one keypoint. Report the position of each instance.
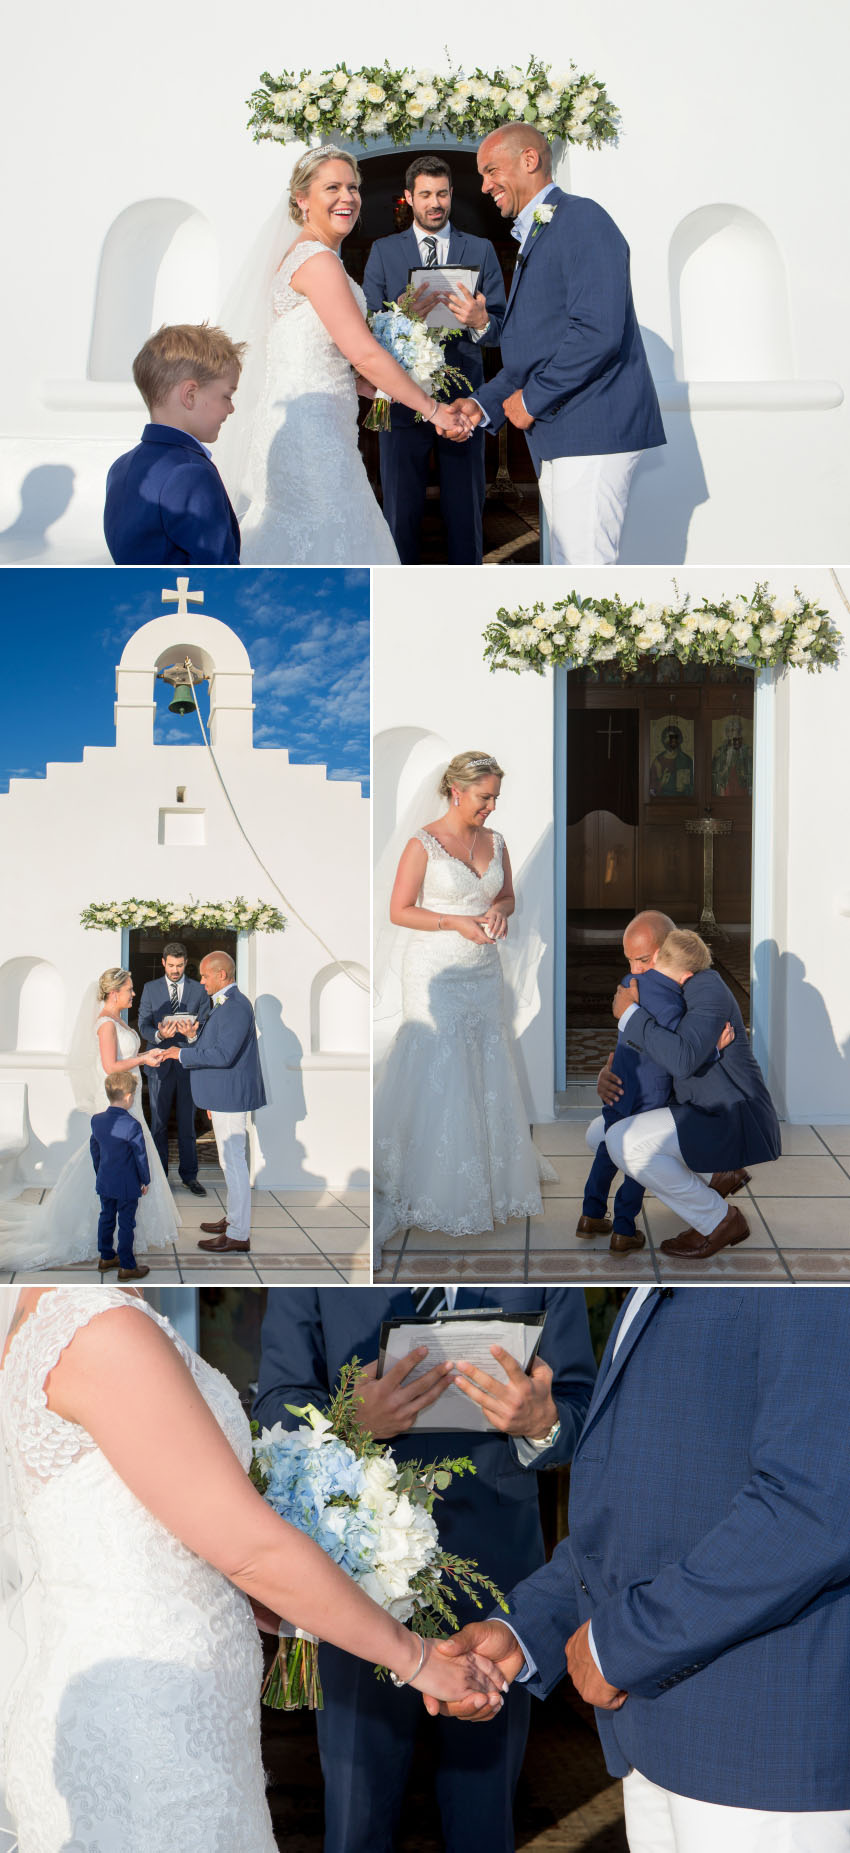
(420, 350)
(373, 1515)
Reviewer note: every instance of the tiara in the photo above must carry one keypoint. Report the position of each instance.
(472, 763)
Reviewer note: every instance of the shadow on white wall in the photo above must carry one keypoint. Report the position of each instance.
(32, 1006)
(340, 1011)
(729, 295)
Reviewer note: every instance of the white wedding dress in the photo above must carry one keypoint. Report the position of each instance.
(134, 1726)
(63, 1228)
(311, 500)
(453, 1149)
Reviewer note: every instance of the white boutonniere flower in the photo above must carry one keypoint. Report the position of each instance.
(542, 216)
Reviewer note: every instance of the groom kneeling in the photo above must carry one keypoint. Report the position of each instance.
(224, 1062)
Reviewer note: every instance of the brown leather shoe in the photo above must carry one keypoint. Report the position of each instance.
(593, 1225)
(215, 1228)
(106, 1262)
(689, 1245)
(727, 1183)
(136, 1273)
(624, 1244)
(224, 1245)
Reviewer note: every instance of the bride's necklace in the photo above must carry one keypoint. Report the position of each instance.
(471, 851)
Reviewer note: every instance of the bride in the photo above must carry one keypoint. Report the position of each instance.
(310, 497)
(141, 1559)
(453, 1151)
(63, 1229)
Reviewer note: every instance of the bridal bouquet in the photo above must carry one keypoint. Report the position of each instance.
(420, 350)
(372, 1515)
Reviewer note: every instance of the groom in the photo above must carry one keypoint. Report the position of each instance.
(224, 1064)
(574, 376)
(169, 996)
(702, 1596)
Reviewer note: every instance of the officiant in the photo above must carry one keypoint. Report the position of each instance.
(367, 1730)
(173, 995)
(430, 243)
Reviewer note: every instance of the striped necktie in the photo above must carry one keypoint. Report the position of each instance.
(431, 248)
(429, 1300)
(174, 997)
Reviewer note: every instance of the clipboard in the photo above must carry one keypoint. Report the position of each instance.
(520, 1332)
(445, 276)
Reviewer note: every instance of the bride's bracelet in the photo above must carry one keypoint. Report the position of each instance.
(430, 416)
(417, 1669)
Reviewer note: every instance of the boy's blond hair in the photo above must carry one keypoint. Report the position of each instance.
(187, 351)
(684, 951)
(118, 1086)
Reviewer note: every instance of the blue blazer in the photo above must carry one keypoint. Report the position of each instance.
(385, 277)
(709, 1540)
(224, 1062)
(166, 505)
(724, 1114)
(645, 1083)
(156, 1004)
(117, 1147)
(309, 1334)
(571, 342)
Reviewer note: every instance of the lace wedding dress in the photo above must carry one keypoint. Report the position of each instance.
(453, 1150)
(311, 500)
(134, 1726)
(63, 1228)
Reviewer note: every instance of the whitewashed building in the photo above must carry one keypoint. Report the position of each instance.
(138, 194)
(153, 822)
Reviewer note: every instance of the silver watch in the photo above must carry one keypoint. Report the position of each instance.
(548, 1441)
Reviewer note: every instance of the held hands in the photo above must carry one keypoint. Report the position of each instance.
(168, 1055)
(464, 1679)
(608, 1086)
(624, 996)
(151, 1058)
(469, 310)
(451, 423)
(589, 1683)
(470, 414)
(521, 1406)
(479, 1637)
(515, 411)
(390, 1404)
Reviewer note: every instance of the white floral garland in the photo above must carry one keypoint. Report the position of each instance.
(763, 632)
(378, 100)
(238, 916)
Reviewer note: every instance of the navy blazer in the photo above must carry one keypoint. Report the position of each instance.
(224, 1062)
(645, 1083)
(724, 1114)
(166, 505)
(117, 1147)
(156, 1004)
(386, 276)
(709, 1540)
(309, 1334)
(571, 342)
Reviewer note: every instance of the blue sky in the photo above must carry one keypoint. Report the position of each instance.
(62, 631)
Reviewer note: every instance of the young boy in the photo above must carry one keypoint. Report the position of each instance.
(122, 1175)
(645, 1084)
(166, 504)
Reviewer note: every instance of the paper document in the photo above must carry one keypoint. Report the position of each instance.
(445, 278)
(450, 1337)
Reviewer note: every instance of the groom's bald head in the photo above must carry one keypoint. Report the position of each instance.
(514, 162)
(217, 970)
(516, 138)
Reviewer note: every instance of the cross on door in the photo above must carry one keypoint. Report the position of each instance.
(609, 732)
(180, 598)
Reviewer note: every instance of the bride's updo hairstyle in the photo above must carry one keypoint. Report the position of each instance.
(304, 173)
(465, 770)
(111, 980)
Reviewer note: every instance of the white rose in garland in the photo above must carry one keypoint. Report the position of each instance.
(239, 916)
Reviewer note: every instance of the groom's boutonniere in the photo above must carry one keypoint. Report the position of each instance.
(542, 216)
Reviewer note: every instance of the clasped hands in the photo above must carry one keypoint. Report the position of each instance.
(512, 407)
(499, 1644)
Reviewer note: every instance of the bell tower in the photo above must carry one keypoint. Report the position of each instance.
(215, 655)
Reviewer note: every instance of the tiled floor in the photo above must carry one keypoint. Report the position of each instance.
(798, 1210)
(299, 1238)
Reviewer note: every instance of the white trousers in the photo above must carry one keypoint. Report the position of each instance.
(230, 1130)
(646, 1147)
(585, 499)
(657, 1821)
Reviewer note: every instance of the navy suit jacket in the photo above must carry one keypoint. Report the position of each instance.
(709, 1540)
(166, 505)
(571, 342)
(309, 1334)
(386, 276)
(724, 1114)
(645, 1083)
(117, 1147)
(156, 1004)
(224, 1062)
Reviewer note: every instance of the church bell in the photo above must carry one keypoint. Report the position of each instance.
(183, 701)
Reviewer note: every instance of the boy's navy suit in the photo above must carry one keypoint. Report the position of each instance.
(571, 342)
(405, 450)
(168, 1079)
(117, 1147)
(225, 1061)
(709, 1542)
(366, 1726)
(645, 1084)
(166, 505)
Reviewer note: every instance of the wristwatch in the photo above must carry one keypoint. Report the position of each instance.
(548, 1441)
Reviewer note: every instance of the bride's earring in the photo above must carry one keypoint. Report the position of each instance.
(457, 800)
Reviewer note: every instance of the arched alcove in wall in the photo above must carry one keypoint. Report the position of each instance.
(339, 1011)
(729, 291)
(159, 263)
(32, 1006)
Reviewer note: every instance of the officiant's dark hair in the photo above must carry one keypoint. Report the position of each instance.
(174, 950)
(426, 164)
